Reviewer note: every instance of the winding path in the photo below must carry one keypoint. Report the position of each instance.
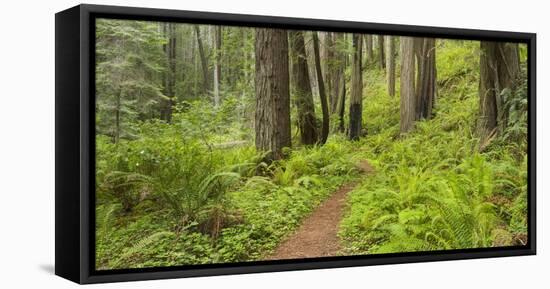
(318, 234)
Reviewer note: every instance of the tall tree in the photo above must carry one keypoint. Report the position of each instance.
(390, 65)
(272, 120)
(217, 44)
(337, 65)
(322, 93)
(370, 50)
(408, 101)
(356, 98)
(426, 77)
(202, 55)
(169, 48)
(129, 78)
(499, 68)
(339, 78)
(307, 122)
(327, 62)
(381, 58)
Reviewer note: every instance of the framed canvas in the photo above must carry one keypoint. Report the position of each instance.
(195, 144)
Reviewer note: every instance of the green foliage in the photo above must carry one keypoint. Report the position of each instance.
(195, 191)
(128, 55)
(433, 190)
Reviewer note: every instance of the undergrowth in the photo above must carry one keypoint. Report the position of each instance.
(433, 189)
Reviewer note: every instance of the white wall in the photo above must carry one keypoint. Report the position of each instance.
(27, 143)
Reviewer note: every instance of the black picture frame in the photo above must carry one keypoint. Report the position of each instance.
(75, 143)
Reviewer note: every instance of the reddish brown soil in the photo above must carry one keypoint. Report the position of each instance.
(318, 234)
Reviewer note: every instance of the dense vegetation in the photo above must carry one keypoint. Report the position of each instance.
(186, 173)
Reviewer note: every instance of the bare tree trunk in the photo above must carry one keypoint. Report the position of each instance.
(338, 63)
(217, 41)
(342, 103)
(370, 50)
(307, 122)
(408, 100)
(390, 65)
(499, 67)
(328, 67)
(118, 107)
(322, 95)
(381, 58)
(425, 86)
(339, 88)
(203, 60)
(169, 30)
(356, 99)
(272, 120)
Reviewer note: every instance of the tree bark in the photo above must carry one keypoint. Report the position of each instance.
(272, 119)
(322, 93)
(204, 63)
(338, 64)
(169, 30)
(390, 65)
(407, 106)
(426, 77)
(381, 58)
(370, 50)
(342, 103)
(217, 41)
(499, 67)
(328, 67)
(307, 122)
(356, 99)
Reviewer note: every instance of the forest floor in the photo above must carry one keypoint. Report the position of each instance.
(317, 236)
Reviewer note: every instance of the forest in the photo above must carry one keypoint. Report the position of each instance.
(221, 144)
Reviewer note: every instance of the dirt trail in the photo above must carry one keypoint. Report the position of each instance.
(318, 234)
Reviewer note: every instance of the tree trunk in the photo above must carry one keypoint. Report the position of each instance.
(381, 58)
(356, 99)
(272, 119)
(204, 64)
(322, 94)
(499, 67)
(217, 41)
(370, 50)
(338, 64)
(407, 106)
(169, 30)
(342, 103)
(328, 67)
(307, 122)
(390, 65)
(426, 77)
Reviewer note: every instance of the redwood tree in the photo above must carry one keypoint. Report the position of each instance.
(272, 119)
(356, 98)
(499, 68)
(408, 101)
(390, 65)
(217, 45)
(381, 59)
(369, 48)
(322, 93)
(169, 30)
(307, 122)
(202, 55)
(426, 77)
